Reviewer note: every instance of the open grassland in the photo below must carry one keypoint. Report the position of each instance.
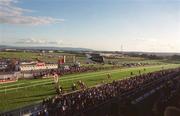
(26, 92)
(53, 57)
(47, 57)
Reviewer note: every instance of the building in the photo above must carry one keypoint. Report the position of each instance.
(37, 66)
(3, 65)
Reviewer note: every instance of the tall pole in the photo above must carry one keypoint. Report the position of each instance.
(121, 49)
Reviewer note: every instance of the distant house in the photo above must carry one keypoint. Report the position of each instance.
(95, 58)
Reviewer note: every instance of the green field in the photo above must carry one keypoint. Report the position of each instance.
(53, 57)
(47, 57)
(26, 92)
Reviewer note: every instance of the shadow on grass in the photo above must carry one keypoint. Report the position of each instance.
(27, 101)
(32, 99)
(35, 96)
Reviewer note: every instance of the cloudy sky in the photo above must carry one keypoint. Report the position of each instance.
(138, 25)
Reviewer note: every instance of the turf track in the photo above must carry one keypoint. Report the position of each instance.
(25, 92)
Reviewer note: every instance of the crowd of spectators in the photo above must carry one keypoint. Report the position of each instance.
(78, 103)
(169, 96)
(155, 97)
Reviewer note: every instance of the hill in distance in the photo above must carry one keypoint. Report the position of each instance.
(45, 48)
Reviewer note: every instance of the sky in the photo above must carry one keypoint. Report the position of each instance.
(136, 25)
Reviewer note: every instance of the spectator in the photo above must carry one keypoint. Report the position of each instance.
(172, 111)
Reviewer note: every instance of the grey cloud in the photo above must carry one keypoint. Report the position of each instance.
(39, 41)
(11, 14)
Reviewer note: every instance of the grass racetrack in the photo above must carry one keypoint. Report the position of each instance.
(26, 92)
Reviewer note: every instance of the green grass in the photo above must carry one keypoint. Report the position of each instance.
(26, 92)
(81, 59)
(32, 56)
